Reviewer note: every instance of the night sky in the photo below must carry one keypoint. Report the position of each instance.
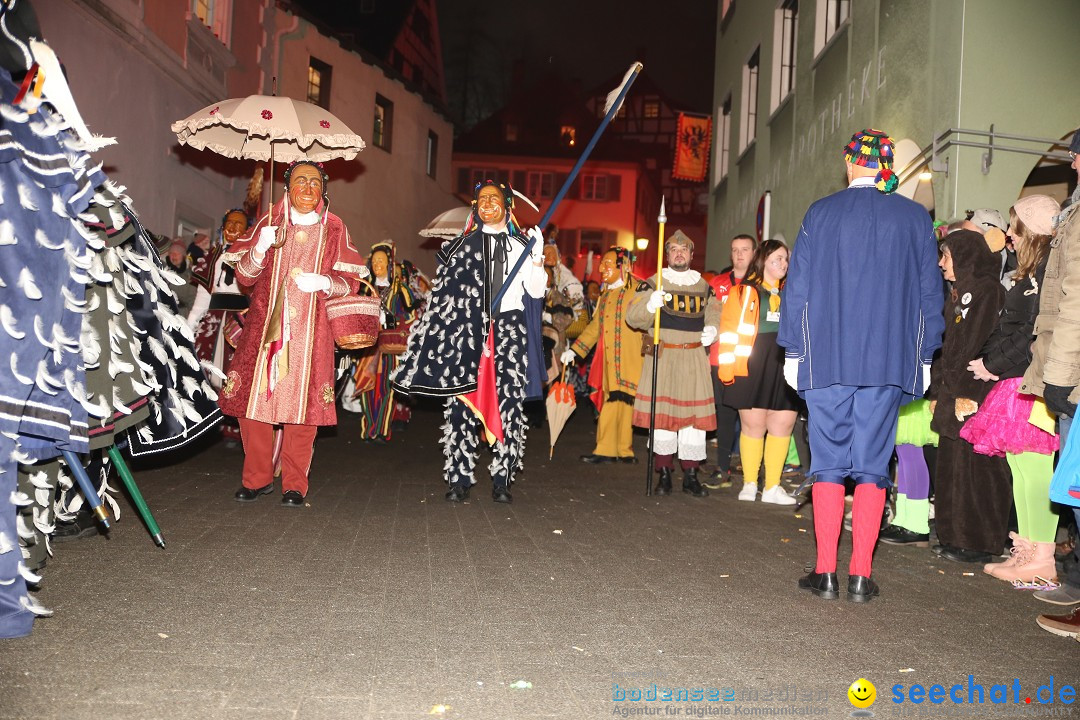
(585, 40)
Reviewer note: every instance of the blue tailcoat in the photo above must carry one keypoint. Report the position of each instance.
(863, 301)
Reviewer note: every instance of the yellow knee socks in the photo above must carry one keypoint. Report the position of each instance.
(776, 452)
(750, 451)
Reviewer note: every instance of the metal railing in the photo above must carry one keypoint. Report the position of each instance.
(932, 154)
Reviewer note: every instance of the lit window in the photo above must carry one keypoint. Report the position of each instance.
(784, 51)
(214, 14)
(568, 135)
(748, 116)
(511, 132)
(723, 139)
(318, 84)
(651, 109)
(831, 16)
(594, 187)
(382, 132)
(432, 153)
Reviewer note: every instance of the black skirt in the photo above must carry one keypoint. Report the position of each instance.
(764, 386)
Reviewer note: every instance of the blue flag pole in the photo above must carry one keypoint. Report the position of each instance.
(631, 75)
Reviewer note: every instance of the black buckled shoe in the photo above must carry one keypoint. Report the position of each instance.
(629, 460)
(896, 535)
(597, 459)
(824, 585)
(962, 555)
(457, 493)
(691, 485)
(292, 498)
(663, 485)
(861, 589)
(245, 494)
(501, 494)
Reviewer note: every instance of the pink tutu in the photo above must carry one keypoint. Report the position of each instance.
(1001, 424)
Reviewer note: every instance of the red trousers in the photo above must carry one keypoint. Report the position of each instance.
(296, 450)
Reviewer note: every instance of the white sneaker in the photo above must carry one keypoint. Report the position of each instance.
(748, 492)
(777, 496)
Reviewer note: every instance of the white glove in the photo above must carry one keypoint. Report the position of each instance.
(708, 335)
(267, 236)
(545, 317)
(791, 372)
(656, 300)
(537, 252)
(312, 282)
(925, 378)
(568, 356)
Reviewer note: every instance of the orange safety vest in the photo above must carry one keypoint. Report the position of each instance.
(738, 330)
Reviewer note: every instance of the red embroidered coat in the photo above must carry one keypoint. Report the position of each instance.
(304, 394)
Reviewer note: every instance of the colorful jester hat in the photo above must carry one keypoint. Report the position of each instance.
(874, 149)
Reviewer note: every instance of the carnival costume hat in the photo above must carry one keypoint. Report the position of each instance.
(874, 149)
(624, 258)
(679, 238)
(513, 227)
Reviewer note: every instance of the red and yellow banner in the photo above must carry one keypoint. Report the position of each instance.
(692, 147)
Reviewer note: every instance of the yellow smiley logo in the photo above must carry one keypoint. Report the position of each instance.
(862, 693)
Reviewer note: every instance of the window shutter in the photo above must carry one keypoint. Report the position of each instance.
(610, 238)
(614, 186)
(518, 181)
(568, 240)
(464, 181)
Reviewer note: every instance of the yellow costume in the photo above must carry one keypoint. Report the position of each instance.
(620, 353)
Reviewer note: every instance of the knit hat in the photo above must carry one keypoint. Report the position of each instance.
(873, 149)
(1074, 146)
(1037, 213)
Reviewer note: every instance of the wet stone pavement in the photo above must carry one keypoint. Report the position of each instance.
(381, 600)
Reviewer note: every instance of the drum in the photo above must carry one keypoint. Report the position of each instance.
(354, 320)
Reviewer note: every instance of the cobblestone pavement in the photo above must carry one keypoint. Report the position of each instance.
(381, 600)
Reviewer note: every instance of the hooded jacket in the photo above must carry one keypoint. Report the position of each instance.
(971, 316)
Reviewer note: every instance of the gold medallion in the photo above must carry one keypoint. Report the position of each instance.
(301, 236)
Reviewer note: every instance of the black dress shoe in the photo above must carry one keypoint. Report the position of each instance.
(861, 589)
(962, 555)
(597, 459)
(824, 585)
(501, 495)
(896, 535)
(292, 498)
(457, 493)
(629, 460)
(248, 495)
(691, 485)
(663, 485)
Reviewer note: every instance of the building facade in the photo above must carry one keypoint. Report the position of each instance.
(946, 79)
(136, 66)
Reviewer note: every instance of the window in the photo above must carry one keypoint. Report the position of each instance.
(748, 116)
(831, 16)
(540, 185)
(511, 132)
(318, 83)
(214, 14)
(382, 132)
(432, 153)
(651, 109)
(784, 51)
(479, 175)
(594, 187)
(568, 135)
(723, 135)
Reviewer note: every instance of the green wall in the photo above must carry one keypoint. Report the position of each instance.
(910, 67)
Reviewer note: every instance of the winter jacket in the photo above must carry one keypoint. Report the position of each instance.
(1007, 353)
(1056, 355)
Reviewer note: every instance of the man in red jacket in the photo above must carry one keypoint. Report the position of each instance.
(742, 251)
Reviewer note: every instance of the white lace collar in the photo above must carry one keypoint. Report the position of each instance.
(616, 285)
(298, 218)
(681, 277)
